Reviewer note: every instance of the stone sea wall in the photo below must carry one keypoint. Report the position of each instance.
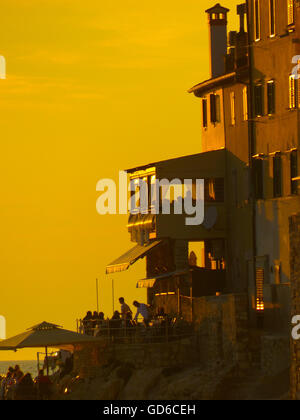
(221, 359)
(220, 335)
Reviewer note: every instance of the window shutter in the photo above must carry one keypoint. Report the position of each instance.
(204, 112)
(271, 97)
(272, 17)
(232, 107)
(294, 171)
(218, 108)
(277, 186)
(245, 104)
(258, 96)
(291, 19)
(257, 19)
(292, 92)
(213, 117)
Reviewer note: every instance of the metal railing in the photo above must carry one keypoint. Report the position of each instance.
(122, 332)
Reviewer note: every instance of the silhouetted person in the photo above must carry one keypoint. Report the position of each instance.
(115, 323)
(143, 310)
(25, 389)
(88, 323)
(126, 312)
(43, 385)
(193, 259)
(95, 320)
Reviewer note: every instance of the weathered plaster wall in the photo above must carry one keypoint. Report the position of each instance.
(295, 294)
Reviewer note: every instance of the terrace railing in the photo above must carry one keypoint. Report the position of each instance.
(122, 332)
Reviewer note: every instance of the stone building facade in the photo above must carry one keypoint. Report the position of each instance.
(250, 165)
(274, 133)
(294, 231)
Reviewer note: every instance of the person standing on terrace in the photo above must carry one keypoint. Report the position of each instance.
(142, 309)
(126, 312)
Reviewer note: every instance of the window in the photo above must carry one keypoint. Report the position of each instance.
(291, 14)
(196, 254)
(271, 97)
(204, 113)
(258, 98)
(256, 20)
(213, 117)
(277, 187)
(218, 108)
(215, 112)
(272, 17)
(245, 103)
(294, 172)
(292, 92)
(232, 107)
(260, 279)
(258, 174)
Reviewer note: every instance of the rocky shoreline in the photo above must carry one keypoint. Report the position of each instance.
(118, 381)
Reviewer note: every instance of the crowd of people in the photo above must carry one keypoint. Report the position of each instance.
(16, 385)
(93, 323)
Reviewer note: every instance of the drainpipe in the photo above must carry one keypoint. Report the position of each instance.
(251, 139)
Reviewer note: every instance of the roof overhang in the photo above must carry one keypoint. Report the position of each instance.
(217, 8)
(164, 163)
(204, 87)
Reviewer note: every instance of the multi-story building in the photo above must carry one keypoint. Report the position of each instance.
(224, 104)
(252, 109)
(249, 161)
(274, 137)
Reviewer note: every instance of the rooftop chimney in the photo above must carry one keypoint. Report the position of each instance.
(241, 11)
(217, 19)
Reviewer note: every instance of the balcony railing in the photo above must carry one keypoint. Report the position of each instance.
(127, 332)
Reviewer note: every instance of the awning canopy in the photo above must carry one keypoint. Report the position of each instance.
(145, 284)
(145, 221)
(130, 257)
(45, 335)
(149, 282)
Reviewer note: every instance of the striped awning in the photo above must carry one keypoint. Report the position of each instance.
(130, 257)
(149, 282)
(144, 221)
(145, 284)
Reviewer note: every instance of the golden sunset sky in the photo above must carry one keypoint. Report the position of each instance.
(92, 87)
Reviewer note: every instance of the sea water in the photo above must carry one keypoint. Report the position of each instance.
(27, 366)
